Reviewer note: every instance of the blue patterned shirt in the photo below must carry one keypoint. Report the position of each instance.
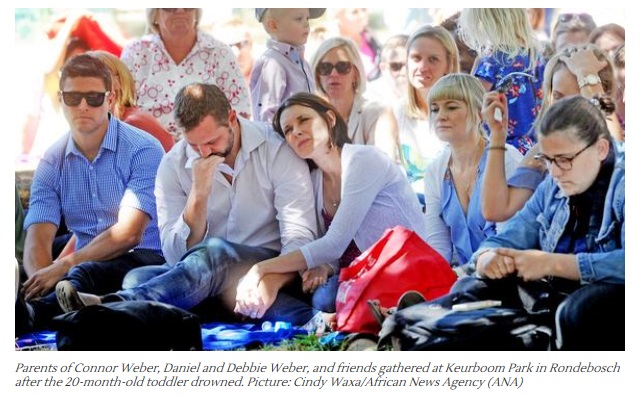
(524, 97)
(89, 194)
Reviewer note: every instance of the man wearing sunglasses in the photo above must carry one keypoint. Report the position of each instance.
(100, 178)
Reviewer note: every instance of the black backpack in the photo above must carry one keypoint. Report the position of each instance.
(128, 326)
(428, 327)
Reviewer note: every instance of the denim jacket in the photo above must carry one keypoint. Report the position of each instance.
(541, 222)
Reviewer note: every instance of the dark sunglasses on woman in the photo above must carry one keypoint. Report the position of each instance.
(342, 67)
(585, 18)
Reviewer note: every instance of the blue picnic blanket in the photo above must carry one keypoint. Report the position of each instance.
(216, 336)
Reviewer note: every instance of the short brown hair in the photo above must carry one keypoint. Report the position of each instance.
(196, 101)
(85, 65)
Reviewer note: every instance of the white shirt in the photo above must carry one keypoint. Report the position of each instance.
(158, 78)
(270, 202)
(375, 196)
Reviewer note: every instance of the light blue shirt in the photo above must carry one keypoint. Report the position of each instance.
(90, 194)
(279, 73)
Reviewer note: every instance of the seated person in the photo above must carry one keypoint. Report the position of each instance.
(569, 237)
(354, 206)
(100, 178)
(455, 223)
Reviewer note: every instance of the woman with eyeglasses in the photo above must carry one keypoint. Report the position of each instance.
(587, 72)
(359, 191)
(339, 76)
(569, 239)
(431, 53)
(176, 53)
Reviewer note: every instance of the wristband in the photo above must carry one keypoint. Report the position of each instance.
(498, 147)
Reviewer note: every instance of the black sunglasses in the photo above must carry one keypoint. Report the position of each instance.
(342, 67)
(585, 18)
(74, 98)
(396, 66)
(172, 10)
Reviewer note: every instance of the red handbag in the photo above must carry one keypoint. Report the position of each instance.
(399, 261)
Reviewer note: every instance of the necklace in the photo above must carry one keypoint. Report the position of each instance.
(331, 195)
(468, 182)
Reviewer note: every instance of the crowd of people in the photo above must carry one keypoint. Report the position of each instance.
(194, 174)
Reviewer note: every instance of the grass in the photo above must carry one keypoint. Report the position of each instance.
(299, 343)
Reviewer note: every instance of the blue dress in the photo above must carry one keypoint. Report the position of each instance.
(524, 97)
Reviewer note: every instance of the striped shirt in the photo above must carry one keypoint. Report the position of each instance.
(89, 194)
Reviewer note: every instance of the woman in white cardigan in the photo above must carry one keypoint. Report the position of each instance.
(360, 192)
(455, 223)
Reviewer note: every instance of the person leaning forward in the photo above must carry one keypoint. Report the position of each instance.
(230, 194)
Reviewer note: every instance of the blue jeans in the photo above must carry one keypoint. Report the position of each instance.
(210, 269)
(96, 277)
(324, 298)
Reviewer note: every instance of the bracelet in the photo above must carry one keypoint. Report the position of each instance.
(499, 147)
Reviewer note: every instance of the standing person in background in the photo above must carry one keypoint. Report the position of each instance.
(431, 54)
(389, 88)
(124, 104)
(282, 69)
(506, 44)
(340, 77)
(353, 23)
(455, 223)
(175, 54)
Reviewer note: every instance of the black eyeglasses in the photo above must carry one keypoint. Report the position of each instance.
(562, 162)
(342, 67)
(74, 98)
(396, 66)
(585, 18)
(172, 10)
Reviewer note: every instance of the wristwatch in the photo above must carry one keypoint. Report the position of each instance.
(589, 80)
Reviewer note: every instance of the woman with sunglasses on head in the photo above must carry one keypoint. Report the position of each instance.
(354, 205)
(587, 72)
(176, 53)
(572, 30)
(569, 239)
(340, 78)
(431, 53)
(453, 180)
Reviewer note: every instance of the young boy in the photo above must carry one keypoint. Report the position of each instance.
(282, 70)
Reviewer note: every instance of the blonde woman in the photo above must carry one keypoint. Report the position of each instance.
(431, 53)
(339, 76)
(456, 226)
(124, 105)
